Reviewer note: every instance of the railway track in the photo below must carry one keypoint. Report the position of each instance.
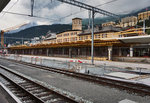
(29, 91)
(132, 87)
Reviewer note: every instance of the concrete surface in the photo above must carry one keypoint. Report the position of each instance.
(123, 75)
(3, 99)
(89, 91)
(133, 59)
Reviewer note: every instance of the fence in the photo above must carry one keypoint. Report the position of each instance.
(72, 65)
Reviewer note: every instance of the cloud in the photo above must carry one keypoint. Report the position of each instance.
(56, 10)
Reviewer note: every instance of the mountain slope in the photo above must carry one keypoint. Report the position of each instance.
(26, 26)
(35, 31)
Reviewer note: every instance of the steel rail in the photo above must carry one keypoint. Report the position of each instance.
(34, 98)
(23, 87)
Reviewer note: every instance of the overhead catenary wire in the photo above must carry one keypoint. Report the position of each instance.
(86, 10)
(32, 7)
(95, 6)
(28, 15)
(11, 7)
(59, 19)
(71, 14)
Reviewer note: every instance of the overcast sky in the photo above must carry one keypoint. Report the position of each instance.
(55, 10)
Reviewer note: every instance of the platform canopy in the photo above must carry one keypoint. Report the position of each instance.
(3, 4)
(136, 39)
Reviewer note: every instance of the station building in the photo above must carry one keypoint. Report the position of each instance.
(111, 23)
(109, 44)
(143, 16)
(129, 21)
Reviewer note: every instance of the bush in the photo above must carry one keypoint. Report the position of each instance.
(148, 31)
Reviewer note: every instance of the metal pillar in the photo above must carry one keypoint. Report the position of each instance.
(92, 43)
(70, 52)
(23, 52)
(63, 51)
(15, 51)
(144, 26)
(93, 9)
(32, 5)
(120, 52)
(78, 52)
(109, 52)
(89, 7)
(131, 51)
(22, 41)
(89, 26)
(32, 51)
(47, 52)
(2, 39)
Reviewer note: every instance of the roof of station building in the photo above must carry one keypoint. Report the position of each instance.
(102, 31)
(76, 18)
(136, 39)
(68, 31)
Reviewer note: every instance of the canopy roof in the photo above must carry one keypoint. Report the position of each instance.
(135, 39)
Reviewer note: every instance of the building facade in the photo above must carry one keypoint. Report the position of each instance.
(144, 16)
(77, 24)
(109, 43)
(78, 45)
(68, 36)
(108, 24)
(129, 21)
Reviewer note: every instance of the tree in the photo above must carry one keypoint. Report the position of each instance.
(148, 31)
(147, 23)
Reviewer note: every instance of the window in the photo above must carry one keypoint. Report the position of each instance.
(67, 34)
(75, 38)
(75, 33)
(59, 40)
(66, 40)
(64, 34)
(97, 36)
(59, 35)
(72, 34)
(80, 22)
(80, 38)
(54, 41)
(85, 37)
(120, 36)
(104, 35)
